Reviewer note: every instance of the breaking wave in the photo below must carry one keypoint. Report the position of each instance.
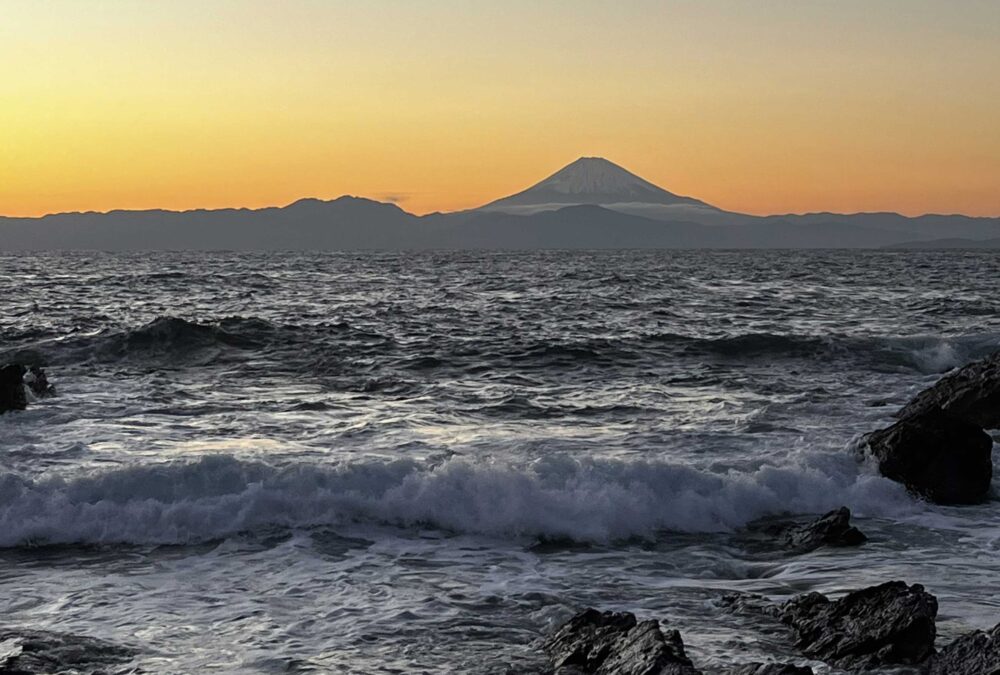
(559, 497)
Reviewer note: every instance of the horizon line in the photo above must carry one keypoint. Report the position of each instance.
(209, 209)
(397, 203)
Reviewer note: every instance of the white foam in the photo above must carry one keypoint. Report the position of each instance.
(934, 355)
(587, 500)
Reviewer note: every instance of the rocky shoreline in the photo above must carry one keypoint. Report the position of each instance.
(880, 628)
(939, 449)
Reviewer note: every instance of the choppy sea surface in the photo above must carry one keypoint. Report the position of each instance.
(271, 463)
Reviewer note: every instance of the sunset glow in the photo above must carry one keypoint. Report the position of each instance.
(761, 108)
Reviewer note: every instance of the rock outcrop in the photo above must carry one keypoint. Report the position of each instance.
(38, 382)
(831, 529)
(971, 393)
(12, 396)
(615, 643)
(29, 652)
(976, 653)
(889, 626)
(14, 377)
(886, 625)
(939, 448)
(936, 455)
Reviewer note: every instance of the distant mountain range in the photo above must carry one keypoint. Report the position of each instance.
(589, 204)
(951, 242)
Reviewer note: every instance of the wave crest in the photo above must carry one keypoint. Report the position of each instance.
(558, 497)
(329, 347)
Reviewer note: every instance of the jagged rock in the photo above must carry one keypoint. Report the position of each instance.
(831, 529)
(884, 625)
(944, 458)
(12, 396)
(976, 653)
(771, 669)
(29, 652)
(971, 393)
(614, 643)
(38, 382)
(938, 449)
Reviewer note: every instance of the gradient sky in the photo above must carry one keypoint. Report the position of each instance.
(762, 107)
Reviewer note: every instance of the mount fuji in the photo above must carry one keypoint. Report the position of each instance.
(595, 181)
(591, 203)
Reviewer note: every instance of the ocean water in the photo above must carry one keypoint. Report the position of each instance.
(377, 463)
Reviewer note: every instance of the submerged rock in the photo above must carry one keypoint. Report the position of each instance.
(977, 653)
(12, 396)
(38, 382)
(831, 529)
(884, 625)
(615, 643)
(28, 652)
(936, 455)
(749, 604)
(971, 393)
(771, 669)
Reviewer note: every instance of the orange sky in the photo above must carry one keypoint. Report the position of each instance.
(785, 106)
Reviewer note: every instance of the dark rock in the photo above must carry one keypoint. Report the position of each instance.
(941, 457)
(29, 652)
(771, 669)
(884, 625)
(38, 382)
(614, 643)
(831, 529)
(977, 653)
(971, 393)
(12, 396)
(749, 604)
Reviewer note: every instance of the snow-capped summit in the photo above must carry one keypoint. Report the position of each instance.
(591, 180)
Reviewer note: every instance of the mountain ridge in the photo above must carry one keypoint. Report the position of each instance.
(590, 214)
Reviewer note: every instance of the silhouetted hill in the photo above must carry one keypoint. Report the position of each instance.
(952, 242)
(919, 227)
(344, 223)
(599, 205)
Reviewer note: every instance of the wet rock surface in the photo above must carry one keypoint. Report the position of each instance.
(885, 628)
(615, 643)
(831, 529)
(16, 380)
(885, 625)
(936, 455)
(12, 396)
(971, 393)
(30, 652)
(38, 382)
(976, 653)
